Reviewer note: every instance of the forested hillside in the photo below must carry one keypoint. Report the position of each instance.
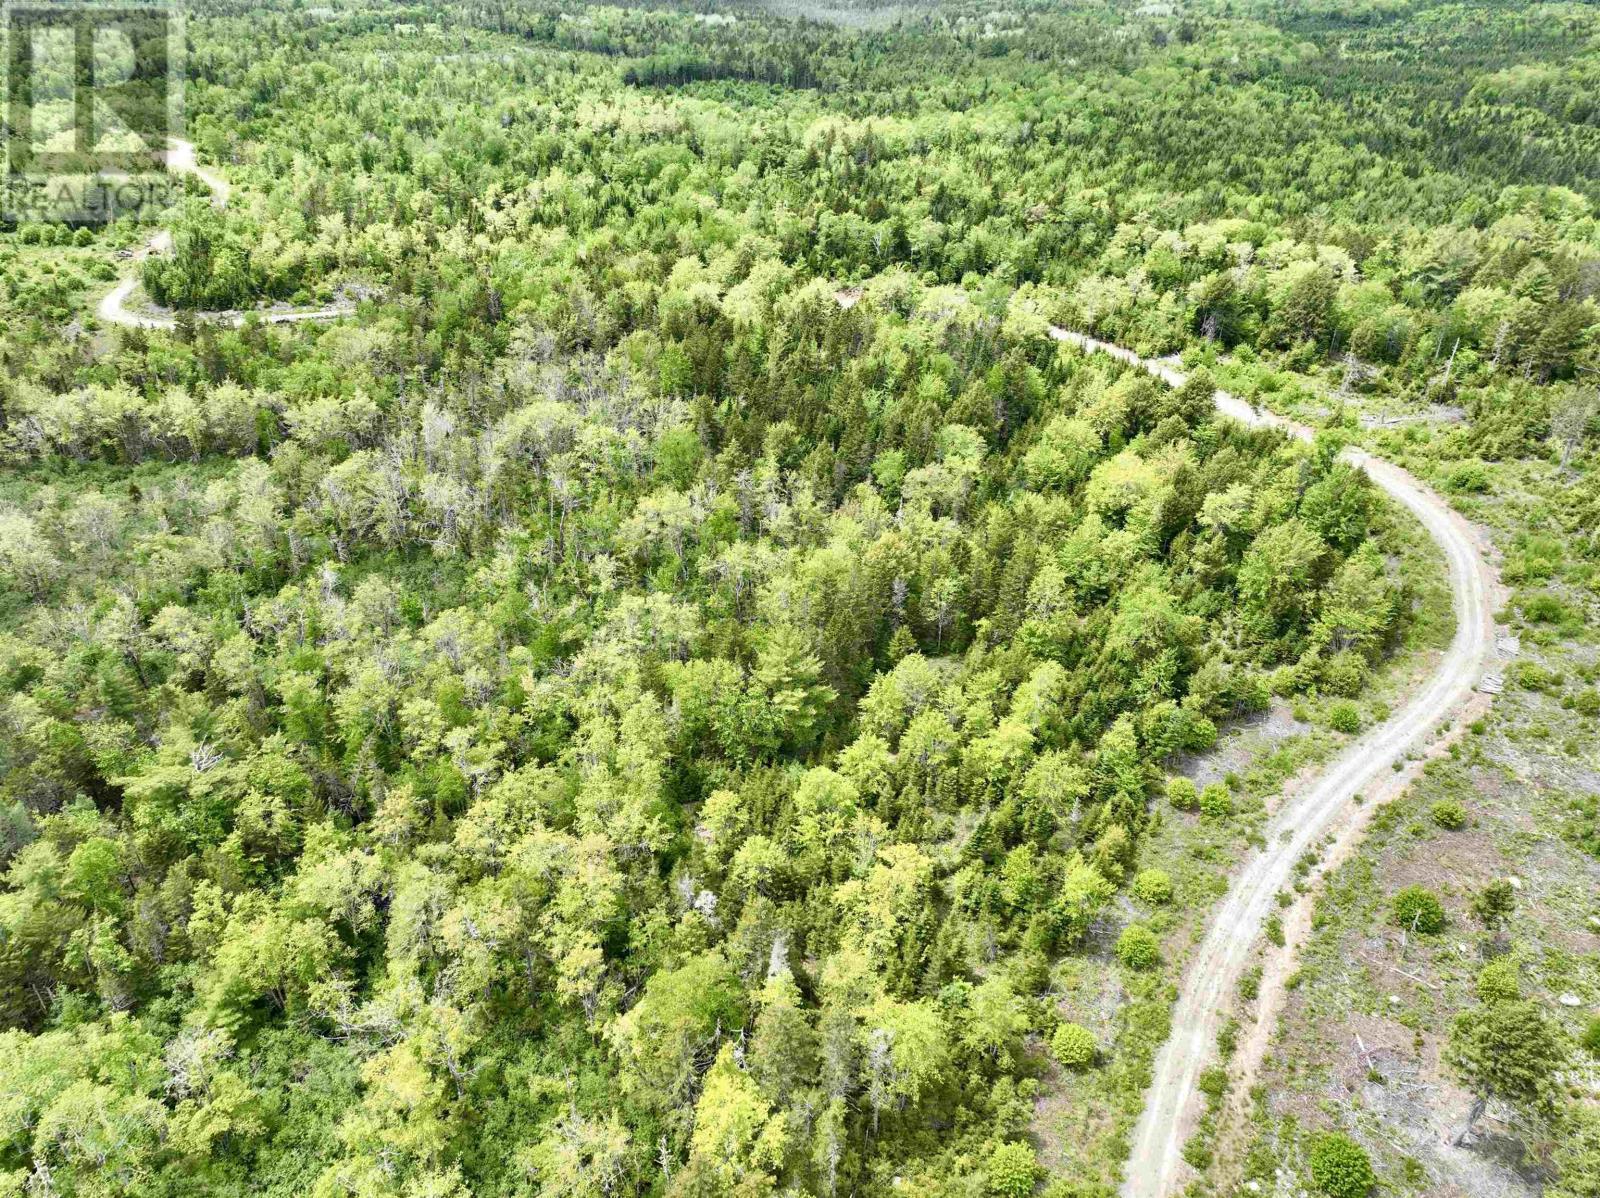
(665, 696)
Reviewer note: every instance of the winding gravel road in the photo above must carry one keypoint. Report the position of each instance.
(1366, 767)
(113, 309)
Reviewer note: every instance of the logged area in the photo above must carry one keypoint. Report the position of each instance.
(1324, 808)
(733, 599)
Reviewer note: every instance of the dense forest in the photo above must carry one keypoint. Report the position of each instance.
(652, 701)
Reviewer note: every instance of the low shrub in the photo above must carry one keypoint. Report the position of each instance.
(1544, 608)
(1216, 802)
(1153, 886)
(1013, 1171)
(1492, 906)
(1250, 984)
(1344, 716)
(1197, 1151)
(1074, 1046)
(1345, 673)
(1469, 478)
(1531, 676)
(1498, 981)
(1340, 1167)
(1417, 909)
(1137, 947)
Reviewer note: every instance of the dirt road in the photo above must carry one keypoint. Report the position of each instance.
(113, 309)
(1325, 806)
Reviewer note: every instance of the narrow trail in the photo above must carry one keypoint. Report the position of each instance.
(1374, 766)
(113, 309)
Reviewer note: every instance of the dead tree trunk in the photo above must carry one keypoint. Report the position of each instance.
(1465, 1133)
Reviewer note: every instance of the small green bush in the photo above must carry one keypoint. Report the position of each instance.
(1216, 802)
(1449, 814)
(1284, 681)
(1275, 929)
(1470, 478)
(1182, 794)
(1531, 676)
(1591, 1037)
(1250, 984)
(1345, 673)
(1137, 947)
(1344, 716)
(1029, 972)
(1417, 909)
(1544, 608)
(1340, 1167)
(1153, 886)
(1492, 906)
(1012, 1171)
(1074, 1046)
(1498, 981)
(1197, 1151)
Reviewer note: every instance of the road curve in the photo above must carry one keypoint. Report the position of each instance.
(1155, 1166)
(113, 309)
